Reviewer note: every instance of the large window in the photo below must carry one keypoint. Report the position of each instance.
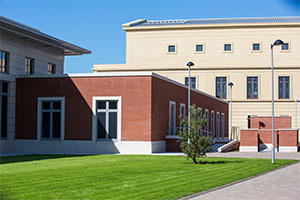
(252, 87)
(182, 114)
(29, 66)
(221, 91)
(3, 62)
(284, 87)
(212, 123)
(207, 122)
(51, 68)
(172, 118)
(193, 82)
(218, 124)
(222, 125)
(51, 118)
(4, 109)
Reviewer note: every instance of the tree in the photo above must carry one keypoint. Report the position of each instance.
(195, 144)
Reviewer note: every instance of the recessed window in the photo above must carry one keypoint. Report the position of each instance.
(51, 68)
(285, 47)
(4, 109)
(172, 118)
(3, 62)
(218, 124)
(199, 48)
(284, 87)
(252, 87)
(172, 48)
(182, 114)
(222, 125)
(200, 117)
(51, 118)
(193, 82)
(256, 46)
(212, 123)
(228, 47)
(221, 87)
(29, 66)
(207, 122)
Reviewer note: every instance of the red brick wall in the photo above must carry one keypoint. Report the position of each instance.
(266, 122)
(288, 138)
(248, 137)
(78, 93)
(163, 92)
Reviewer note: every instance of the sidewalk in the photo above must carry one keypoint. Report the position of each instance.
(281, 184)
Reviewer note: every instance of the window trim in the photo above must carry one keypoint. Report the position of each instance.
(182, 105)
(256, 51)
(199, 52)
(218, 125)
(213, 123)
(290, 85)
(286, 51)
(8, 63)
(222, 126)
(221, 90)
(206, 128)
(200, 117)
(258, 86)
(119, 116)
(172, 44)
(174, 118)
(223, 47)
(39, 121)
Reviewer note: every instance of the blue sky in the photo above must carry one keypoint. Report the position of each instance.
(96, 25)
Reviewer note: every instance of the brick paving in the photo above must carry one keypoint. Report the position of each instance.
(280, 184)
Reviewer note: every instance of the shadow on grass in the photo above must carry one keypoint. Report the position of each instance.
(26, 158)
(218, 162)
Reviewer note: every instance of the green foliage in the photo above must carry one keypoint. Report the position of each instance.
(194, 144)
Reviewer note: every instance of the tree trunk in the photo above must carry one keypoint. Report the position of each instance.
(194, 160)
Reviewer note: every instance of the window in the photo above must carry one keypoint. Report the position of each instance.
(29, 66)
(172, 48)
(222, 125)
(252, 87)
(51, 68)
(3, 62)
(256, 47)
(212, 123)
(218, 124)
(182, 114)
(51, 118)
(207, 122)
(284, 87)
(227, 47)
(172, 117)
(199, 48)
(200, 117)
(4, 109)
(221, 87)
(193, 82)
(285, 47)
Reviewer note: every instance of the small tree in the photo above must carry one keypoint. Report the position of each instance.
(195, 144)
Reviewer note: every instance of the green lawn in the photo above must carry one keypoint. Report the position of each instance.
(120, 176)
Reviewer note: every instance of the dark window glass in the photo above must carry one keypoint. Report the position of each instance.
(46, 124)
(199, 47)
(256, 47)
(171, 48)
(252, 87)
(56, 105)
(112, 125)
(113, 105)
(284, 87)
(285, 46)
(221, 90)
(101, 125)
(51, 68)
(4, 116)
(29, 66)
(193, 82)
(227, 47)
(4, 87)
(46, 105)
(56, 125)
(101, 104)
(3, 61)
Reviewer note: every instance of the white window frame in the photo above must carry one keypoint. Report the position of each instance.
(212, 123)
(183, 115)
(62, 122)
(119, 116)
(222, 125)
(218, 125)
(207, 122)
(174, 117)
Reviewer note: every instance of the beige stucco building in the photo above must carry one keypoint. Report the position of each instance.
(223, 51)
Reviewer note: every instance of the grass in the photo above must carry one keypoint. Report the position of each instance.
(120, 176)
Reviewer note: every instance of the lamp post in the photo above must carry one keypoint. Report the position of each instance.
(276, 43)
(230, 84)
(189, 64)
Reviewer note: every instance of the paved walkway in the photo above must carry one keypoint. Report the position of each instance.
(283, 184)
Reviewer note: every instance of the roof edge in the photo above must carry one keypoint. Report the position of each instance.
(132, 23)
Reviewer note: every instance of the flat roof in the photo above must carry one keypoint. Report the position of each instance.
(29, 32)
(119, 74)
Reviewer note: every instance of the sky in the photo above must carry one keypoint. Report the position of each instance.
(96, 25)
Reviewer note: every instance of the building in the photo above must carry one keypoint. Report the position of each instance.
(132, 113)
(25, 51)
(224, 50)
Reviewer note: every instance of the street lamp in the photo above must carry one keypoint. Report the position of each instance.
(189, 64)
(276, 43)
(230, 84)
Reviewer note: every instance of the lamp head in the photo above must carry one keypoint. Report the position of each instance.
(230, 84)
(190, 64)
(278, 42)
